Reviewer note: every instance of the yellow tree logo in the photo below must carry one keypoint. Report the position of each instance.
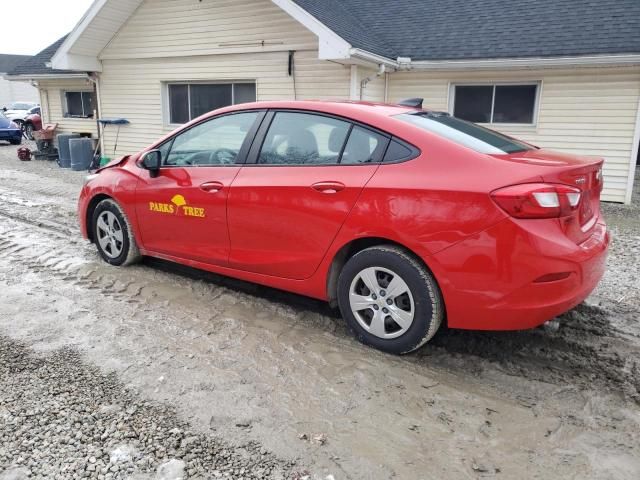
(181, 203)
(178, 201)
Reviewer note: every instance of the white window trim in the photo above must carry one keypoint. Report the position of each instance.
(536, 104)
(65, 105)
(166, 113)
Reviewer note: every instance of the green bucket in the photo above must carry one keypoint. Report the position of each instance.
(104, 161)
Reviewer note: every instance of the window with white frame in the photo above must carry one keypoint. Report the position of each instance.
(496, 103)
(78, 104)
(187, 101)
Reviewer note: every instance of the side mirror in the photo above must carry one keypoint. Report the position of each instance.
(152, 160)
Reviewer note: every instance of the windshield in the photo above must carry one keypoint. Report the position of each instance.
(465, 133)
(21, 106)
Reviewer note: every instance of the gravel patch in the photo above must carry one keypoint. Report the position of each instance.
(620, 286)
(63, 419)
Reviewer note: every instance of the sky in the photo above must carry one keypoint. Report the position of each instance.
(29, 26)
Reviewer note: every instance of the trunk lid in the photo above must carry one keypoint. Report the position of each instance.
(582, 172)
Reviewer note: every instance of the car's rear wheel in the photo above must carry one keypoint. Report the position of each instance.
(389, 299)
(113, 235)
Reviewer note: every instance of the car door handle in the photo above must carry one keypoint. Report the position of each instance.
(211, 187)
(328, 187)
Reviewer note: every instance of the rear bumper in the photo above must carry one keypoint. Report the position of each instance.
(496, 280)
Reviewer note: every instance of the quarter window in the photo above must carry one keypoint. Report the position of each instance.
(79, 104)
(303, 139)
(190, 100)
(364, 146)
(495, 103)
(214, 142)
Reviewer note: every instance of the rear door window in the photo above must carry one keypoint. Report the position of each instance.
(303, 139)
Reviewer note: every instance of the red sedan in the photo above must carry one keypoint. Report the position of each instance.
(403, 217)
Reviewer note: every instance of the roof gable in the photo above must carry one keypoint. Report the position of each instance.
(206, 28)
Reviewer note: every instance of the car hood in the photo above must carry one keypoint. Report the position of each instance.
(5, 123)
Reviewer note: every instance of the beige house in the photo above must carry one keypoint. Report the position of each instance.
(66, 97)
(558, 76)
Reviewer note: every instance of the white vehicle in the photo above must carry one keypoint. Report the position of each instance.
(18, 111)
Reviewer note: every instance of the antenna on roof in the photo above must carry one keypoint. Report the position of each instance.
(411, 102)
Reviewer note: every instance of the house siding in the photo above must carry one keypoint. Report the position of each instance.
(198, 44)
(582, 111)
(172, 28)
(51, 100)
(134, 88)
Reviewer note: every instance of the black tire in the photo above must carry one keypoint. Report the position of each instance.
(127, 251)
(427, 304)
(28, 130)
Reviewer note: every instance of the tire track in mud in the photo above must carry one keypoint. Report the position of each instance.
(586, 350)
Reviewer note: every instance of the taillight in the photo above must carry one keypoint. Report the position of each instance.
(538, 200)
(599, 183)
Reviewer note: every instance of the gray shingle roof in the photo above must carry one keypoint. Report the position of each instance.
(9, 62)
(477, 29)
(36, 65)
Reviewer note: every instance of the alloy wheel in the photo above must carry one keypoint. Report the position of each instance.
(381, 302)
(110, 236)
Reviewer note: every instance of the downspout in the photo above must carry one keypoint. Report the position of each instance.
(95, 78)
(386, 87)
(354, 94)
(44, 106)
(382, 69)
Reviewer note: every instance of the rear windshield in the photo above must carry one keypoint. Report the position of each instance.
(465, 133)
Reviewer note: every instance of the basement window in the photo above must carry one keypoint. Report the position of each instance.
(496, 103)
(79, 104)
(187, 101)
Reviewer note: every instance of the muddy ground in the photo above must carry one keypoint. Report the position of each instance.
(276, 382)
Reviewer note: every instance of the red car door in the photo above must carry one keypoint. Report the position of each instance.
(304, 174)
(183, 211)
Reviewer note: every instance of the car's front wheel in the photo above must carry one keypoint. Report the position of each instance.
(113, 235)
(28, 130)
(389, 299)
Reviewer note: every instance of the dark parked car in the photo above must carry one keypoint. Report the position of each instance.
(9, 131)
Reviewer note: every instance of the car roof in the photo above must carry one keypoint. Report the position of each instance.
(345, 108)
